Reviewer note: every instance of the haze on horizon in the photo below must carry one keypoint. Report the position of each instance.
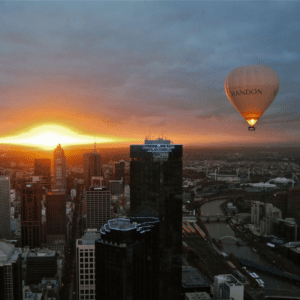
(127, 70)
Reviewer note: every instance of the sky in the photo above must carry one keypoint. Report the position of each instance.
(129, 70)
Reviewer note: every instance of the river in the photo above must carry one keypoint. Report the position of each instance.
(218, 230)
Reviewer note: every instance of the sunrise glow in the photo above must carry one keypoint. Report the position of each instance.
(48, 136)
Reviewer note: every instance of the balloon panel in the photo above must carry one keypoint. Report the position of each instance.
(251, 89)
(251, 101)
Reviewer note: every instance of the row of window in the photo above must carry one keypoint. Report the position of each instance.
(87, 282)
(86, 266)
(82, 271)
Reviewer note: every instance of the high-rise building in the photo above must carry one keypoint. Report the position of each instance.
(127, 259)
(98, 207)
(156, 191)
(293, 204)
(40, 263)
(5, 220)
(257, 211)
(85, 265)
(10, 272)
(31, 215)
(280, 201)
(227, 286)
(119, 170)
(60, 172)
(91, 167)
(42, 167)
(56, 218)
(116, 187)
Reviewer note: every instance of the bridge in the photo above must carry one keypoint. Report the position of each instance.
(268, 269)
(281, 294)
(228, 237)
(214, 218)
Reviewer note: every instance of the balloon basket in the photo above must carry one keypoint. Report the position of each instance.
(251, 128)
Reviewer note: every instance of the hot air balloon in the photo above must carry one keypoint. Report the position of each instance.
(251, 89)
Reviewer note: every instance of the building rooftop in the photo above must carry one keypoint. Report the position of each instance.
(88, 238)
(192, 278)
(197, 296)
(41, 253)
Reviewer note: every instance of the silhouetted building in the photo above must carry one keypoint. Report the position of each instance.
(5, 220)
(40, 263)
(116, 187)
(119, 170)
(156, 191)
(10, 272)
(281, 201)
(42, 167)
(98, 207)
(60, 172)
(56, 216)
(293, 205)
(91, 167)
(287, 229)
(31, 215)
(127, 260)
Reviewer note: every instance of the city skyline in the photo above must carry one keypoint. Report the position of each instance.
(116, 72)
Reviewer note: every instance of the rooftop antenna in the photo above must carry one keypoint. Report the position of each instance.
(95, 149)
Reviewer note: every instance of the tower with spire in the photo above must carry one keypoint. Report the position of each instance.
(60, 171)
(91, 166)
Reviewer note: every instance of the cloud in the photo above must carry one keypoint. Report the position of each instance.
(140, 64)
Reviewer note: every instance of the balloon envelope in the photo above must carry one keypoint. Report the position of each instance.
(251, 89)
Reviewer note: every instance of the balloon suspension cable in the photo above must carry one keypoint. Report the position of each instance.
(251, 128)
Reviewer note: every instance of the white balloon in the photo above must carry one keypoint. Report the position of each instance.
(251, 89)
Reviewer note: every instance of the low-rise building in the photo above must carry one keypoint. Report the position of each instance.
(226, 286)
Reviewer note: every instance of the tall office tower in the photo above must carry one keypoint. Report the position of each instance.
(293, 205)
(98, 210)
(91, 167)
(85, 265)
(5, 220)
(127, 260)
(56, 218)
(119, 170)
(31, 215)
(280, 201)
(227, 287)
(156, 191)
(40, 263)
(42, 167)
(60, 172)
(10, 272)
(257, 211)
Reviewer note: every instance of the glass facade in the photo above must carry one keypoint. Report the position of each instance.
(156, 191)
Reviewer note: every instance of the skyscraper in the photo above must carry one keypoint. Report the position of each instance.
(293, 204)
(85, 265)
(91, 167)
(42, 167)
(5, 230)
(31, 215)
(156, 191)
(127, 260)
(56, 216)
(10, 272)
(60, 173)
(98, 207)
(119, 170)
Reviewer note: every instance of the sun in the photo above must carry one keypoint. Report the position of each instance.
(47, 136)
